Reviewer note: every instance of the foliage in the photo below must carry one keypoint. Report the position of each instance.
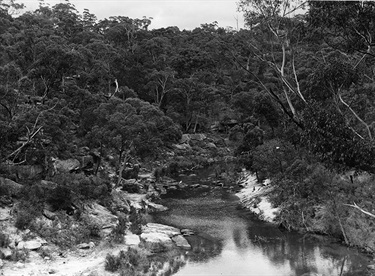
(4, 240)
(130, 262)
(26, 214)
(117, 234)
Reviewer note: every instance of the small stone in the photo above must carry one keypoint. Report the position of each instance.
(52, 271)
(372, 266)
(48, 214)
(91, 244)
(19, 265)
(1, 263)
(187, 232)
(83, 246)
(7, 253)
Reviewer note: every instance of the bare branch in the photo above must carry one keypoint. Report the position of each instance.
(296, 79)
(356, 115)
(354, 205)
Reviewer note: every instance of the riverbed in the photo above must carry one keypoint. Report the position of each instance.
(228, 241)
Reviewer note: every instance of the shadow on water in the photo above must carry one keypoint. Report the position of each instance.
(228, 242)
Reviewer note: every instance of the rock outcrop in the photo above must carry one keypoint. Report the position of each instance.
(158, 237)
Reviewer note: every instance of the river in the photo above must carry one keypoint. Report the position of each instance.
(228, 241)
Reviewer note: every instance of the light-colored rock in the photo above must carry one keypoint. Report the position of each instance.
(181, 242)
(64, 166)
(4, 214)
(30, 245)
(185, 138)
(154, 207)
(211, 145)
(160, 228)
(198, 136)
(132, 239)
(48, 214)
(1, 263)
(19, 265)
(156, 242)
(100, 215)
(183, 146)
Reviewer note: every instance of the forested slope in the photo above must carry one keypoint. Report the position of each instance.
(294, 90)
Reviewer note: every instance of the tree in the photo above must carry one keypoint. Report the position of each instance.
(132, 128)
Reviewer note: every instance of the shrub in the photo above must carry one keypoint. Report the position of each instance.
(112, 263)
(4, 240)
(26, 212)
(130, 262)
(136, 220)
(60, 198)
(117, 234)
(19, 255)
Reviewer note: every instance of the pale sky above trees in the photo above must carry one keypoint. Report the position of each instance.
(185, 14)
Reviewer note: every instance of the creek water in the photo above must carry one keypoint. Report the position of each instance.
(228, 241)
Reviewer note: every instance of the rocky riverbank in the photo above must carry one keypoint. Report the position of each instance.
(254, 197)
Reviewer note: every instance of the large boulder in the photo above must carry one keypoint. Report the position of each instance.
(64, 166)
(156, 242)
(31, 245)
(158, 237)
(100, 215)
(181, 242)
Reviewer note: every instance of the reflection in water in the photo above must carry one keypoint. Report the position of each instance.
(229, 244)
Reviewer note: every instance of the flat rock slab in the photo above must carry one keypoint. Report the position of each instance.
(154, 207)
(132, 239)
(181, 242)
(161, 229)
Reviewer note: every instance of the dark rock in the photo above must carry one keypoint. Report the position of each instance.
(22, 172)
(48, 214)
(10, 187)
(187, 232)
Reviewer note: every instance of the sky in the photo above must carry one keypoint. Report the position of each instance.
(185, 14)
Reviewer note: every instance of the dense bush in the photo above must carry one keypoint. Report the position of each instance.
(4, 240)
(118, 233)
(130, 262)
(26, 212)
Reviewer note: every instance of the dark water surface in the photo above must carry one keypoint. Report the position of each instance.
(229, 242)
